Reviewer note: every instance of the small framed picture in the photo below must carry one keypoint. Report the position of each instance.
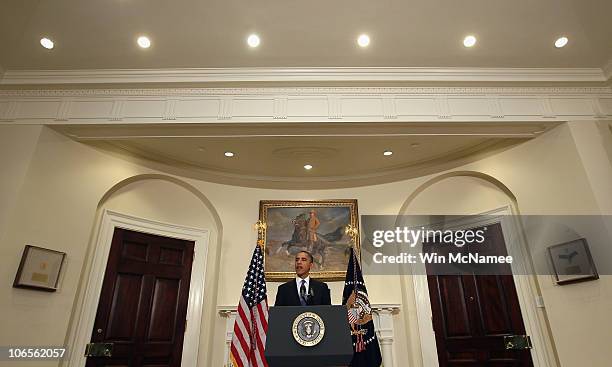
(39, 269)
(572, 262)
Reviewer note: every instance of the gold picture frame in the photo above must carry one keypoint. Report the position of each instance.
(289, 229)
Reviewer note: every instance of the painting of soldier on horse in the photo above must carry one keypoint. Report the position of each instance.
(318, 227)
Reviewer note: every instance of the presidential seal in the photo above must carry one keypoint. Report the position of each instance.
(308, 329)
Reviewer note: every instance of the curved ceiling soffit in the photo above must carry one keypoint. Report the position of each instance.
(315, 153)
(431, 165)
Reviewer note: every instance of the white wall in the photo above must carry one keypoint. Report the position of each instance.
(65, 181)
(16, 150)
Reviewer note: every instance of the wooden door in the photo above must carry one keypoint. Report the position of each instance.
(473, 313)
(143, 303)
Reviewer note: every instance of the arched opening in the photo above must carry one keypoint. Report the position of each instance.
(481, 198)
(160, 205)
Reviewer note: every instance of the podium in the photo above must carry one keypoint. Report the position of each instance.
(334, 349)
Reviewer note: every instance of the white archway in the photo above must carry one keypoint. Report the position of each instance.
(526, 286)
(95, 265)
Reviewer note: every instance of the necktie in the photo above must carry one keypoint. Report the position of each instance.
(303, 293)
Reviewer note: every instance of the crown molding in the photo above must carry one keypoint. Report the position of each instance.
(302, 91)
(263, 105)
(340, 74)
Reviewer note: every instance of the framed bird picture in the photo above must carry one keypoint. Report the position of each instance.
(572, 262)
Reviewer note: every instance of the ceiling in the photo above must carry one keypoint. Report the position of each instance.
(101, 34)
(274, 155)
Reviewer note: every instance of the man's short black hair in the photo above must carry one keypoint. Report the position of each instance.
(309, 255)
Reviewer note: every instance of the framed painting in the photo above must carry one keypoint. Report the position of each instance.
(315, 226)
(572, 262)
(39, 269)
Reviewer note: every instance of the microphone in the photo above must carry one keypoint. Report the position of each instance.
(310, 295)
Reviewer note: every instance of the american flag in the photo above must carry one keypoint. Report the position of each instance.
(249, 340)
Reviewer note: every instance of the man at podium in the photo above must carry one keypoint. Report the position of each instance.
(303, 291)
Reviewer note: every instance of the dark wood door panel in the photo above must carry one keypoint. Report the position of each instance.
(143, 303)
(463, 357)
(163, 310)
(171, 256)
(472, 314)
(134, 251)
(494, 312)
(454, 315)
(123, 312)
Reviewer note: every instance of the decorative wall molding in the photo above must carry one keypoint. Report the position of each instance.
(547, 109)
(389, 108)
(63, 110)
(334, 107)
(299, 91)
(10, 110)
(280, 107)
(597, 108)
(169, 109)
(225, 108)
(383, 324)
(607, 70)
(359, 104)
(116, 110)
(442, 107)
(378, 74)
(495, 108)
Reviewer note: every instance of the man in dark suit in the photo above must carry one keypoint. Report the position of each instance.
(303, 290)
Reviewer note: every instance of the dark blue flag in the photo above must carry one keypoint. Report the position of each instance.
(355, 296)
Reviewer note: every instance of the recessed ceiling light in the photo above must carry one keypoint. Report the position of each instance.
(46, 43)
(307, 166)
(229, 154)
(387, 153)
(415, 145)
(561, 42)
(469, 41)
(363, 40)
(144, 42)
(253, 40)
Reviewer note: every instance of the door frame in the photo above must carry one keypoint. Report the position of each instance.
(525, 288)
(83, 325)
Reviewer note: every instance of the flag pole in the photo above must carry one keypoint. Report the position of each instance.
(260, 227)
(351, 231)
